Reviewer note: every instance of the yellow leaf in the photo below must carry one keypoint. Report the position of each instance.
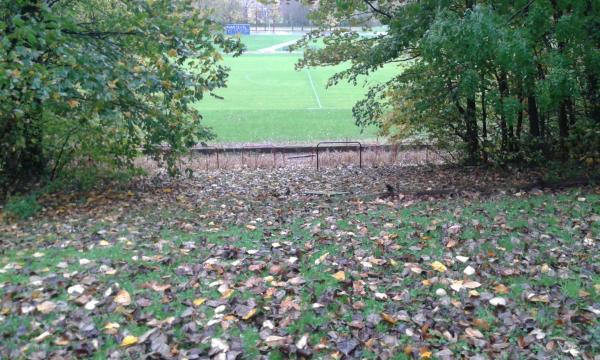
(425, 354)
(172, 53)
(321, 258)
(199, 301)
(123, 298)
(129, 340)
(250, 314)
(104, 243)
(227, 294)
(339, 276)
(438, 266)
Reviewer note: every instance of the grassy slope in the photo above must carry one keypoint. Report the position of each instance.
(493, 232)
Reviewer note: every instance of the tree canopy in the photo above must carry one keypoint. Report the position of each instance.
(501, 80)
(99, 80)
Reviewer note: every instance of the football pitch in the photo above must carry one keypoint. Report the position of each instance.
(268, 101)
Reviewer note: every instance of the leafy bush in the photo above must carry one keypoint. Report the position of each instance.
(22, 207)
(93, 81)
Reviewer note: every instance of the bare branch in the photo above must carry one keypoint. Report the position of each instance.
(377, 10)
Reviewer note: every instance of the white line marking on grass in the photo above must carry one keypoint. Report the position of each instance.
(312, 84)
(273, 49)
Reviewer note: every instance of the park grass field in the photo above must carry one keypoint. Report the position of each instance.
(257, 42)
(268, 101)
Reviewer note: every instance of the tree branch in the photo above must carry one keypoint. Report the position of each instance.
(377, 10)
(101, 34)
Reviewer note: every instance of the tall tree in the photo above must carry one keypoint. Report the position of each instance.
(500, 80)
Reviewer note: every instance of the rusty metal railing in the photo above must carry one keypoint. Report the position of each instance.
(256, 153)
(356, 143)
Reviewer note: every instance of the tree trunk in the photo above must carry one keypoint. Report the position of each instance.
(483, 123)
(472, 132)
(593, 98)
(534, 119)
(503, 89)
(563, 127)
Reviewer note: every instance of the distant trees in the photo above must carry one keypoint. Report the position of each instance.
(291, 13)
(101, 81)
(499, 80)
(294, 14)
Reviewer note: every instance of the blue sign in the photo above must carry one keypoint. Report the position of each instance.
(234, 29)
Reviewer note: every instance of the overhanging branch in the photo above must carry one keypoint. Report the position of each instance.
(377, 10)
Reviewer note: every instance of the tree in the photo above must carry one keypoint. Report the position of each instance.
(102, 80)
(501, 80)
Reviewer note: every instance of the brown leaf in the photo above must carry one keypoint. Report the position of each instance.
(388, 318)
(122, 298)
(46, 307)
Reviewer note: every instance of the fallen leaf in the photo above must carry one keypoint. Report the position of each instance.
(469, 270)
(111, 328)
(129, 340)
(46, 307)
(91, 305)
(438, 266)
(388, 318)
(122, 298)
(381, 296)
(498, 301)
(473, 333)
(301, 344)
(43, 336)
(250, 314)
(501, 289)
(339, 276)
(275, 341)
(76, 290)
(321, 258)
(199, 301)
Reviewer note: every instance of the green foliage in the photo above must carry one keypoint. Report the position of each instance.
(22, 207)
(98, 81)
(499, 80)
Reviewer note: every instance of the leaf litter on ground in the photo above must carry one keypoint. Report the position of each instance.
(250, 264)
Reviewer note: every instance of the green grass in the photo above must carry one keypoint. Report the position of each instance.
(267, 100)
(257, 42)
(230, 244)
